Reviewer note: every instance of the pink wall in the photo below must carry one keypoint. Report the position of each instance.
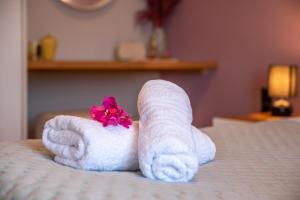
(244, 37)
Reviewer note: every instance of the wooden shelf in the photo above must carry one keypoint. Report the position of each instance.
(155, 65)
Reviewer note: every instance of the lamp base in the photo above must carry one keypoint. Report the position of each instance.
(282, 111)
(281, 107)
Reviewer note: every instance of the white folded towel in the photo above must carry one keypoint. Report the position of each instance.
(85, 144)
(205, 147)
(167, 146)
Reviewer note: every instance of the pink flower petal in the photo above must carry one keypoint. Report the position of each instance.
(110, 113)
(109, 102)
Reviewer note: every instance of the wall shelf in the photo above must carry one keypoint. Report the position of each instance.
(155, 65)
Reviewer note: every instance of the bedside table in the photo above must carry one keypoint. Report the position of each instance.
(247, 119)
(257, 117)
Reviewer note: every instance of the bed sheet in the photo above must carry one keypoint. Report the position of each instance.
(257, 161)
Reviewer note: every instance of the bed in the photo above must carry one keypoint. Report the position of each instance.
(254, 161)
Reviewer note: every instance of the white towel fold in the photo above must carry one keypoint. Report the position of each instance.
(86, 144)
(167, 146)
(205, 147)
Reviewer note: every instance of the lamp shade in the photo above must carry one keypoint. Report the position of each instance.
(282, 81)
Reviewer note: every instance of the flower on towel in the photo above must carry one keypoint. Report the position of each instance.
(110, 113)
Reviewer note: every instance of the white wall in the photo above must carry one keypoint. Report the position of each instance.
(12, 70)
(84, 36)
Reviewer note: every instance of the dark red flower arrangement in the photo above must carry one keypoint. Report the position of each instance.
(110, 113)
(156, 12)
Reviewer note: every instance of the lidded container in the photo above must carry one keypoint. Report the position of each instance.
(48, 47)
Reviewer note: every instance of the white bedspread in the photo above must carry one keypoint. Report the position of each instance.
(260, 161)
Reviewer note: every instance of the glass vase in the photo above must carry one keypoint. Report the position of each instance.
(157, 43)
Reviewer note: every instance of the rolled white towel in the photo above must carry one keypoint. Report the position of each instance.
(167, 147)
(205, 147)
(85, 144)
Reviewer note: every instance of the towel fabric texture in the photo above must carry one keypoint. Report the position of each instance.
(85, 144)
(167, 145)
(163, 144)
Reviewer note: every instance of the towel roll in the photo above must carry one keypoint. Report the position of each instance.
(85, 144)
(205, 147)
(167, 150)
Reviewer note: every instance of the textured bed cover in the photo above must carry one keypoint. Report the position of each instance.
(260, 161)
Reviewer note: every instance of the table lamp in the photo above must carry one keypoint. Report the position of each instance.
(282, 84)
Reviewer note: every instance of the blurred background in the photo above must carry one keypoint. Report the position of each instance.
(242, 37)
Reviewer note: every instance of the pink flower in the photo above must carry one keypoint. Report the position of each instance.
(110, 113)
(157, 12)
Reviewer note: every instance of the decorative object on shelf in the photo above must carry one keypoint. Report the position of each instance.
(282, 84)
(32, 51)
(48, 47)
(156, 13)
(131, 51)
(157, 44)
(86, 5)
